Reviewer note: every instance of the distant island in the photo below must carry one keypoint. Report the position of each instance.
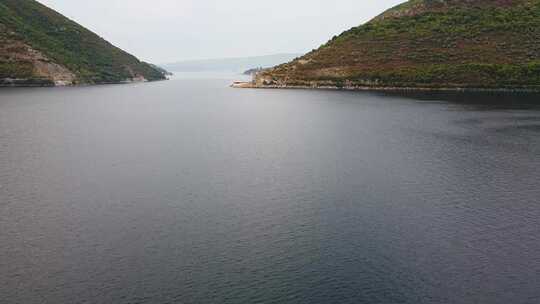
(426, 44)
(40, 47)
(231, 65)
(253, 72)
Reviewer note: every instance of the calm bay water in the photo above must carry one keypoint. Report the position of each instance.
(188, 191)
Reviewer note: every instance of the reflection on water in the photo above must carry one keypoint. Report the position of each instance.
(188, 191)
(478, 100)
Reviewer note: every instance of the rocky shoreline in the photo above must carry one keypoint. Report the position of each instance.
(253, 85)
(43, 83)
(9, 83)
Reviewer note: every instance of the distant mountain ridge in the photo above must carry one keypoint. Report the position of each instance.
(436, 44)
(40, 47)
(238, 64)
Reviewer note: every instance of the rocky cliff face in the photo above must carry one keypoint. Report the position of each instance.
(42, 70)
(427, 44)
(40, 47)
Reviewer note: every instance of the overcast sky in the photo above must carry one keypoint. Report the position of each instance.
(164, 31)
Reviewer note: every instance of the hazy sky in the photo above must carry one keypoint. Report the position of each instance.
(163, 31)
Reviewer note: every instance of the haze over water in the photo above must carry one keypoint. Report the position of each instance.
(188, 191)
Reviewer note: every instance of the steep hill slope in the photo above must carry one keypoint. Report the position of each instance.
(430, 44)
(39, 46)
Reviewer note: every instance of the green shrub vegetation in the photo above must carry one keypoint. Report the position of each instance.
(444, 43)
(16, 70)
(87, 55)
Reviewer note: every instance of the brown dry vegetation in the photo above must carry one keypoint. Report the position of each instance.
(429, 43)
